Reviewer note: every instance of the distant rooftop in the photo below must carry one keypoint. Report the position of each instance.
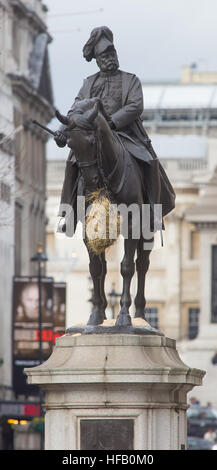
(177, 147)
(195, 90)
(179, 96)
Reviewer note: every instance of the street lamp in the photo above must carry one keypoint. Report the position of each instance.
(113, 296)
(40, 258)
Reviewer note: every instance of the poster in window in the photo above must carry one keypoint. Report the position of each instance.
(26, 326)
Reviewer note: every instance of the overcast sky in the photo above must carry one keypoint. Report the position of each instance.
(153, 38)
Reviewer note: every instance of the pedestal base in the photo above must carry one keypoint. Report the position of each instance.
(200, 352)
(115, 392)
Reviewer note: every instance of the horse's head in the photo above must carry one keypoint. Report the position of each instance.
(88, 108)
(82, 115)
(81, 137)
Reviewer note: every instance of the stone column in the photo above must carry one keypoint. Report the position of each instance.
(115, 391)
(173, 277)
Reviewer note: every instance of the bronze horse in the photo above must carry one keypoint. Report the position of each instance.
(102, 159)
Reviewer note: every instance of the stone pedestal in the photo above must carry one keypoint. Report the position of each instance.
(115, 391)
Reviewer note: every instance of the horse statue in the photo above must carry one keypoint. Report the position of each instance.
(104, 163)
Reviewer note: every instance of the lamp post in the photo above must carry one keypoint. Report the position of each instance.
(40, 258)
(113, 296)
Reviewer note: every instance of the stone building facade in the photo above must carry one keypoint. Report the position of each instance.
(25, 94)
(182, 122)
(192, 74)
(6, 202)
(29, 76)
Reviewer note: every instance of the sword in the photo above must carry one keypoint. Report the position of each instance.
(46, 129)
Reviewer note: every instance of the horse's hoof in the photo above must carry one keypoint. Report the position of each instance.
(123, 319)
(139, 314)
(96, 318)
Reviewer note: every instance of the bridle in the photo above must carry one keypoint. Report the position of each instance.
(86, 164)
(98, 160)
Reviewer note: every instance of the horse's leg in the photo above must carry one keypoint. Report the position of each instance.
(127, 271)
(102, 283)
(142, 265)
(96, 271)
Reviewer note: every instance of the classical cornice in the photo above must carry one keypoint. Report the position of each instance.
(204, 218)
(32, 17)
(24, 89)
(30, 126)
(205, 226)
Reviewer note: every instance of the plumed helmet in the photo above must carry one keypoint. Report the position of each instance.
(100, 39)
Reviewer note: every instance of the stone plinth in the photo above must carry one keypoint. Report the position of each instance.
(107, 391)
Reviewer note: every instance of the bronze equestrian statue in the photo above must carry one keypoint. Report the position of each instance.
(106, 115)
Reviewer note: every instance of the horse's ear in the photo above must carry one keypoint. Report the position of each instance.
(93, 113)
(63, 119)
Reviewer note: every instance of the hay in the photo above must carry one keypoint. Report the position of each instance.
(103, 222)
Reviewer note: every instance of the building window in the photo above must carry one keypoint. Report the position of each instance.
(16, 40)
(5, 192)
(18, 238)
(214, 285)
(151, 316)
(18, 144)
(193, 322)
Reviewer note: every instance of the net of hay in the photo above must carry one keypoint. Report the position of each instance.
(102, 222)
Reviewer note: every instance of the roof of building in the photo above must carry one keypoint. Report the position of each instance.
(179, 146)
(179, 95)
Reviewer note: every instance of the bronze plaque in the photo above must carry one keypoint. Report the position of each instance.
(107, 434)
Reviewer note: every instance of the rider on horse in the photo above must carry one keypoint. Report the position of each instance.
(122, 99)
